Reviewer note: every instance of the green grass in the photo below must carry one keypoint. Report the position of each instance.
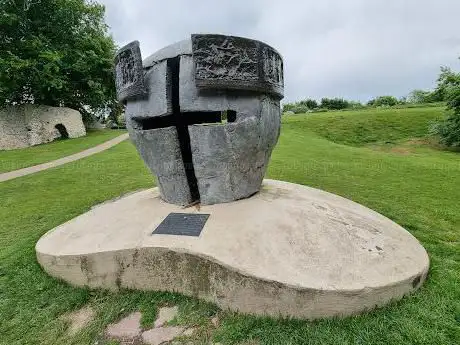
(419, 190)
(370, 125)
(22, 158)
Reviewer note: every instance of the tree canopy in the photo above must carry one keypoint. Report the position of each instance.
(380, 101)
(55, 52)
(449, 87)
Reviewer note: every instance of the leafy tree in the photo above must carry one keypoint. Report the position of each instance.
(303, 106)
(418, 96)
(295, 108)
(57, 53)
(334, 103)
(287, 107)
(449, 128)
(116, 112)
(309, 103)
(355, 105)
(402, 100)
(388, 101)
(422, 96)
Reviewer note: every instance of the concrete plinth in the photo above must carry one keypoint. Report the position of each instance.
(288, 250)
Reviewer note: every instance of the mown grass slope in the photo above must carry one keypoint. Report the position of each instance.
(369, 125)
(418, 190)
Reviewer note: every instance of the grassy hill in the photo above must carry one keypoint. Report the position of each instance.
(338, 152)
(367, 126)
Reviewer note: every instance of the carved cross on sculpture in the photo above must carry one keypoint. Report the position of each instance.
(181, 121)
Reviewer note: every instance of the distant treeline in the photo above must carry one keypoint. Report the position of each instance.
(326, 104)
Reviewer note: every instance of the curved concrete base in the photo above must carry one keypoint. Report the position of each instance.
(289, 250)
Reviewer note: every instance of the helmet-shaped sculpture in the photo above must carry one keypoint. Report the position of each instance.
(204, 114)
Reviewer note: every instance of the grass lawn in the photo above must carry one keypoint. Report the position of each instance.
(22, 158)
(366, 126)
(418, 189)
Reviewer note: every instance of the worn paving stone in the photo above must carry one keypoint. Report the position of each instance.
(157, 336)
(166, 314)
(127, 328)
(79, 319)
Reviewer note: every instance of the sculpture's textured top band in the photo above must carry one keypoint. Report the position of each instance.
(221, 62)
(229, 62)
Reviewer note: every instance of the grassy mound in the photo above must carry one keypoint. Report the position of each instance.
(367, 126)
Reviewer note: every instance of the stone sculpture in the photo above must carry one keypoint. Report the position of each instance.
(204, 114)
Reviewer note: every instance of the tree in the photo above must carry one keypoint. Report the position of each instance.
(57, 53)
(422, 96)
(380, 101)
(334, 103)
(309, 103)
(418, 96)
(355, 105)
(304, 106)
(449, 128)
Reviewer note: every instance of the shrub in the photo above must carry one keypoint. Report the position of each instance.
(110, 124)
(301, 109)
(309, 103)
(388, 101)
(304, 106)
(121, 121)
(334, 103)
(355, 105)
(422, 96)
(449, 128)
(321, 110)
(287, 107)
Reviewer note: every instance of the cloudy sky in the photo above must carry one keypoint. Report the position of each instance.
(355, 49)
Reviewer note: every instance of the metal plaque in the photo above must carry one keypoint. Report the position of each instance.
(182, 224)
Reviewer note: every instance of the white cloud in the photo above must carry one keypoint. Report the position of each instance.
(355, 48)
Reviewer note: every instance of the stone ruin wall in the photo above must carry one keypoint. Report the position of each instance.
(29, 125)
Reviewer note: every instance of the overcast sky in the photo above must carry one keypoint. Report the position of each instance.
(357, 49)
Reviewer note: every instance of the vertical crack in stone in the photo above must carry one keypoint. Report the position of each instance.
(182, 129)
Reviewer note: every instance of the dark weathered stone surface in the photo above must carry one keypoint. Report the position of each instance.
(157, 103)
(159, 148)
(129, 73)
(230, 161)
(229, 62)
(210, 119)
